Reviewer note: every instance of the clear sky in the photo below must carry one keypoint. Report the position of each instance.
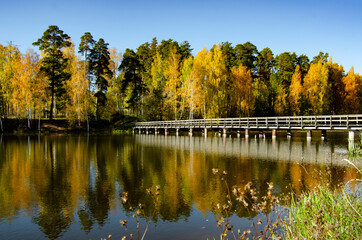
(305, 27)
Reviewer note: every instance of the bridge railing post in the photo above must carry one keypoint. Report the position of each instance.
(347, 122)
(288, 122)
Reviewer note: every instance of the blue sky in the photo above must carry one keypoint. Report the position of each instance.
(305, 27)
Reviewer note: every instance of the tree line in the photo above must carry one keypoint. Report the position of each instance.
(164, 81)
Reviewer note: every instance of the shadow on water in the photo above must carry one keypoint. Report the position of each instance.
(62, 186)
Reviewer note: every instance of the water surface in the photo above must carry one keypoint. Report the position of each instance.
(70, 187)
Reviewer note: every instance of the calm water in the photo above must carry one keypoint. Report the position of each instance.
(70, 187)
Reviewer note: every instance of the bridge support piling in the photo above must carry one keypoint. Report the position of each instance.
(324, 134)
(156, 132)
(309, 134)
(132, 131)
(139, 131)
(166, 132)
(177, 131)
(146, 131)
(190, 132)
(238, 134)
(246, 133)
(274, 133)
(224, 132)
(351, 135)
(289, 133)
(205, 132)
(261, 133)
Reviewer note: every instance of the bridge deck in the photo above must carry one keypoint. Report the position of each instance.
(322, 122)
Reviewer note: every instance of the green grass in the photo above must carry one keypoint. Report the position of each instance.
(325, 214)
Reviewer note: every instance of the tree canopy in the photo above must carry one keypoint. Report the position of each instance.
(163, 80)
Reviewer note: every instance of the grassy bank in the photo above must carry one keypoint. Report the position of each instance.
(325, 214)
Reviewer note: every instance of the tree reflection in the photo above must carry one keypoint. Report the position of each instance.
(58, 179)
(53, 197)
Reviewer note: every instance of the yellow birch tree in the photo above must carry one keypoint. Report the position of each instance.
(317, 89)
(336, 73)
(78, 94)
(295, 92)
(216, 83)
(352, 84)
(172, 74)
(242, 90)
(200, 92)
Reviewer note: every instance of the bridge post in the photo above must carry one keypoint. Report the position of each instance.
(190, 132)
(351, 135)
(324, 134)
(246, 133)
(309, 134)
(274, 133)
(261, 133)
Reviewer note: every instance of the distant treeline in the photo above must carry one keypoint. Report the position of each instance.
(161, 81)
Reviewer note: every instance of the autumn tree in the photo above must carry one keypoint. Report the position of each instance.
(317, 88)
(78, 103)
(200, 92)
(352, 99)
(335, 78)
(53, 62)
(23, 81)
(280, 105)
(216, 83)
(188, 86)
(242, 90)
(296, 92)
(10, 55)
(172, 74)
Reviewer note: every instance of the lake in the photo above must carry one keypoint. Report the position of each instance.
(71, 186)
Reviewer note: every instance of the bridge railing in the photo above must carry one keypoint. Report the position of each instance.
(285, 122)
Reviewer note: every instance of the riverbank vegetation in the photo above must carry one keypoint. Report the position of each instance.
(164, 81)
(325, 214)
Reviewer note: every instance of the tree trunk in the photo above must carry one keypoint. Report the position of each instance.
(29, 116)
(51, 107)
(39, 121)
(1, 125)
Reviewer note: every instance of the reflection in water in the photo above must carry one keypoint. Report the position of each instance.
(70, 186)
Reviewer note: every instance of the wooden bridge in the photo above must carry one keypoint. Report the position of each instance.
(349, 123)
